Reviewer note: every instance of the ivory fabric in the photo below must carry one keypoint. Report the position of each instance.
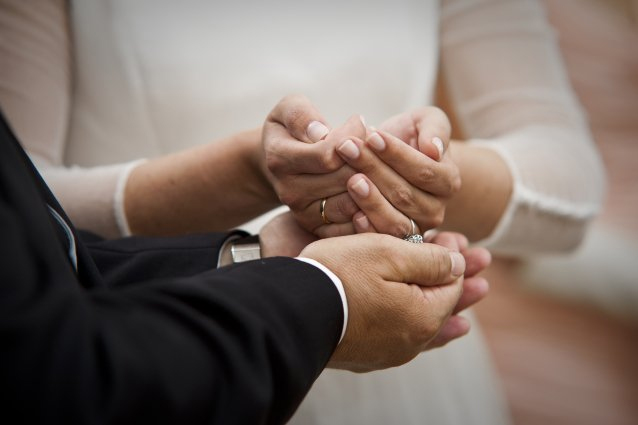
(142, 78)
(151, 77)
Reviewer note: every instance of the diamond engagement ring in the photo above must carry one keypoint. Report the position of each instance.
(413, 237)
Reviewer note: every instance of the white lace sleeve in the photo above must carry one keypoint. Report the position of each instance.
(510, 91)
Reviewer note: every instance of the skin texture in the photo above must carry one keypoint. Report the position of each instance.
(181, 192)
(463, 188)
(402, 298)
(257, 170)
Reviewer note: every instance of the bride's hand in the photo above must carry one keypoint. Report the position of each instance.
(393, 181)
(405, 172)
(304, 167)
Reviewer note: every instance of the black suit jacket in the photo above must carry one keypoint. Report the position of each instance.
(142, 331)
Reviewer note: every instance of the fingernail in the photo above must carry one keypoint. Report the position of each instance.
(458, 264)
(376, 141)
(363, 120)
(363, 222)
(429, 235)
(349, 149)
(361, 188)
(438, 143)
(316, 131)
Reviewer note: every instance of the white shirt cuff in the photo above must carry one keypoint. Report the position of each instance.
(338, 284)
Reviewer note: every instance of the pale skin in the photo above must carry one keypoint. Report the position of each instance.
(207, 188)
(162, 191)
(405, 176)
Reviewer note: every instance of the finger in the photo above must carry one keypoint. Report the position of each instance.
(412, 201)
(287, 155)
(452, 240)
(299, 191)
(401, 126)
(362, 224)
(448, 240)
(381, 213)
(439, 178)
(433, 127)
(426, 129)
(429, 235)
(334, 230)
(300, 118)
(337, 209)
(455, 327)
(476, 260)
(422, 264)
(440, 301)
(474, 290)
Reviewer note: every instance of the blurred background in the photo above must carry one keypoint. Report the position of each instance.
(566, 348)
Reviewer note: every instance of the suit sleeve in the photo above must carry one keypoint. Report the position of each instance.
(238, 345)
(134, 259)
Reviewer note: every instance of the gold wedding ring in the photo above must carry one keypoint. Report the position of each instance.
(322, 210)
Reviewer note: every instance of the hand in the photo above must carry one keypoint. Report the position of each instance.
(282, 236)
(475, 288)
(399, 296)
(396, 181)
(304, 167)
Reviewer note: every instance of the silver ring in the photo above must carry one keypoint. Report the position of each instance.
(413, 237)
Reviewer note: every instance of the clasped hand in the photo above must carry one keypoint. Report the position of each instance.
(403, 297)
(370, 180)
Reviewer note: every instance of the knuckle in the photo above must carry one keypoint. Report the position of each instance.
(426, 175)
(424, 329)
(428, 330)
(297, 119)
(345, 207)
(402, 197)
(289, 196)
(432, 214)
(440, 115)
(275, 163)
(285, 196)
(451, 180)
(399, 229)
(439, 269)
(455, 185)
(329, 160)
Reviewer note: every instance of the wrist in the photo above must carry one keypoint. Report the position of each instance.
(485, 191)
(256, 158)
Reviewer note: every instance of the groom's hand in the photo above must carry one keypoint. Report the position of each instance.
(399, 295)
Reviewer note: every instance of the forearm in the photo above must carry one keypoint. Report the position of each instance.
(485, 191)
(206, 188)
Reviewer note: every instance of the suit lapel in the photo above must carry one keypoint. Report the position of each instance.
(25, 186)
